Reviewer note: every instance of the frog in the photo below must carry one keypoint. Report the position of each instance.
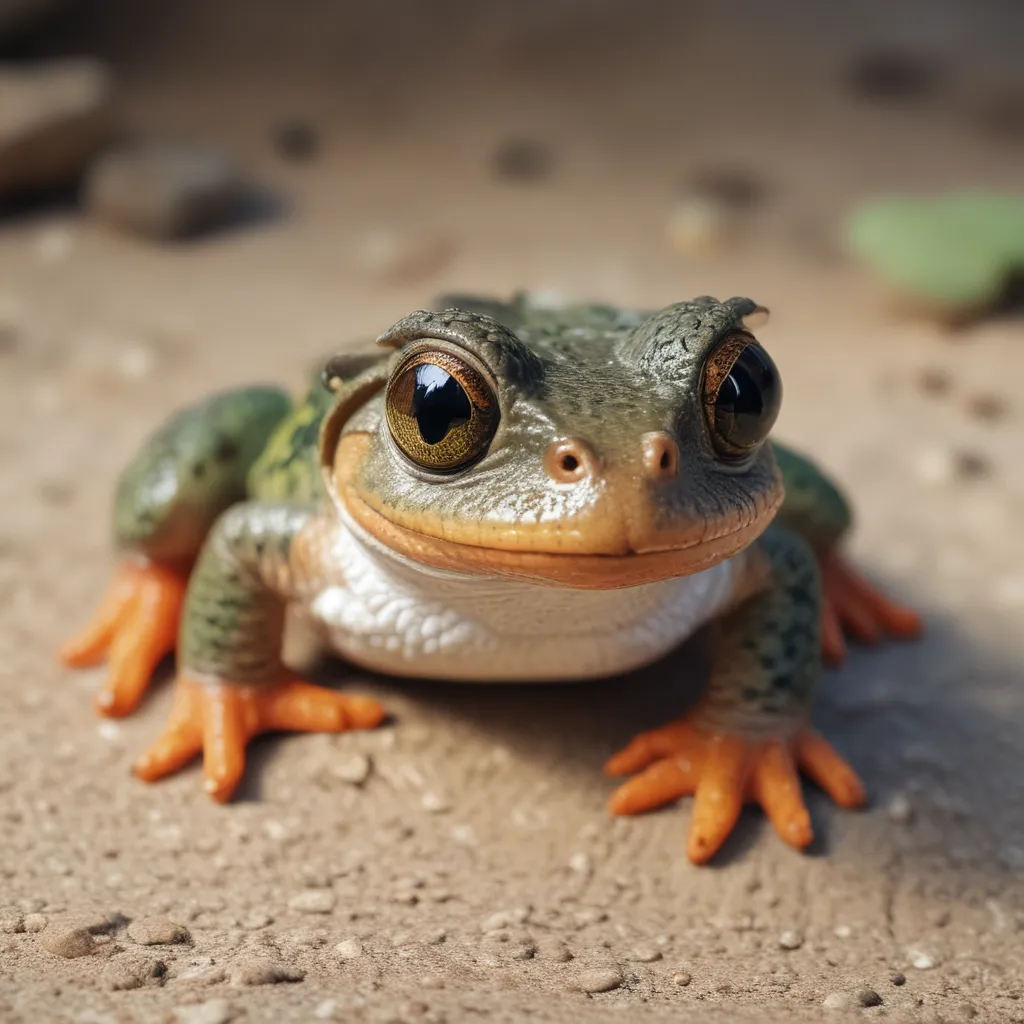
(501, 491)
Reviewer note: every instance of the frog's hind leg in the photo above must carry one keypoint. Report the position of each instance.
(816, 510)
(167, 500)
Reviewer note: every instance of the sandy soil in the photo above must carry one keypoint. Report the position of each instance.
(475, 873)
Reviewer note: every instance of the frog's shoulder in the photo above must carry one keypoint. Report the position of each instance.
(288, 468)
(541, 319)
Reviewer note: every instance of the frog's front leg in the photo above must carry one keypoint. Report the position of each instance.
(749, 735)
(231, 683)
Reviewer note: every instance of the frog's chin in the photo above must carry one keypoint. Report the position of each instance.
(574, 571)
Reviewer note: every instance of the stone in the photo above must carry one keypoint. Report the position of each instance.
(213, 1011)
(157, 931)
(164, 190)
(313, 901)
(18, 15)
(54, 117)
(791, 939)
(600, 979)
(261, 971)
(295, 139)
(349, 949)
(68, 942)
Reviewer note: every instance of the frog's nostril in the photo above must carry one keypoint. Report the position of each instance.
(661, 456)
(569, 461)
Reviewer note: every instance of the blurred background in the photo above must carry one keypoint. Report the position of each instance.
(201, 193)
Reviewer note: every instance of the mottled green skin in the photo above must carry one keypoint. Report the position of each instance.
(191, 469)
(767, 653)
(768, 649)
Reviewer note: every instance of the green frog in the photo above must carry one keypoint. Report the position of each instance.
(501, 491)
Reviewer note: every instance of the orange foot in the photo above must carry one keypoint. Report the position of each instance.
(217, 719)
(134, 627)
(724, 771)
(852, 605)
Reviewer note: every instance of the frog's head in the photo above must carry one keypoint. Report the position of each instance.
(591, 459)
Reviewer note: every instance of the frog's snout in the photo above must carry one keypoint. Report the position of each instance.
(573, 460)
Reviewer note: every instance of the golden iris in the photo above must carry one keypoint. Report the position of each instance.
(442, 413)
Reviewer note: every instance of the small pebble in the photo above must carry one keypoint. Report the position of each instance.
(898, 978)
(791, 939)
(214, 1011)
(554, 950)
(505, 919)
(863, 997)
(405, 256)
(124, 977)
(434, 803)
(933, 381)
(157, 931)
(599, 979)
(296, 139)
(843, 931)
(258, 971)
(313, 901)
(987, 407)
(971, 465)
(886, 75)
(921, 960)
(35, 922)
(682, 978)
(645, 955)
(11, 923)
(351, 767)
(349, 949)
(68, 942)
(522, 160)
(899, 809)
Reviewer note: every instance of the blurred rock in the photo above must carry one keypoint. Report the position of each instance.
(525, 160)
(54, 117)
(712, 211)
(18, 15)
(405, 256)
(891, 75)
(164, 190)
(295, 139)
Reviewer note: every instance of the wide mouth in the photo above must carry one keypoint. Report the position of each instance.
(691, 554)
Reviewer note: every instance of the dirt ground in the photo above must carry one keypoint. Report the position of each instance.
(475, 874)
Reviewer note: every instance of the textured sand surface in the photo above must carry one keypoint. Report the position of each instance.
(474, 874)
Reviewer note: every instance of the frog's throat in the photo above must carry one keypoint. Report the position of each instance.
(578, 571)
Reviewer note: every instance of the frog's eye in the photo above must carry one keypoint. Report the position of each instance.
(742, 394)
(441, 412)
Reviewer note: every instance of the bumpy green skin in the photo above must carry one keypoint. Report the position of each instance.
(234, 611)
(768, 650)
(956, 252)
(191, 469)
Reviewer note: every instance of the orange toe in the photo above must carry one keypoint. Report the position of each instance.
(134, 628)
(218, 719)
(723, 771)
(862, 610)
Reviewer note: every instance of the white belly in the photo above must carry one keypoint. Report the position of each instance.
(390, 614)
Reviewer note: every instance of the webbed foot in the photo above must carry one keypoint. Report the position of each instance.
(725, 770)
(219, 718)
(853, 606)
(135, 626)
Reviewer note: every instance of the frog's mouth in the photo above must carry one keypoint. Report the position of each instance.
(681, 552)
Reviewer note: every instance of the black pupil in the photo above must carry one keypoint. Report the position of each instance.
(439, 403)
(748, 400)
